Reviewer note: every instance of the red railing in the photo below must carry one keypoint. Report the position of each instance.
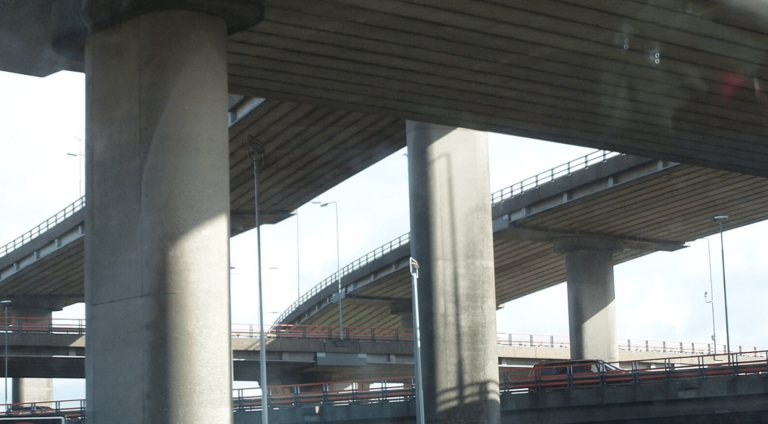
(513, 380)
(559, 376)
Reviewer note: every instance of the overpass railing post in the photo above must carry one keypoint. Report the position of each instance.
(635, 371)
(646, 345)
(551, 341)
(325, 393)
(296, 396)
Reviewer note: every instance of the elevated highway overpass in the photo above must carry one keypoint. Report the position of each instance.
(605, 195)
(643, 205)
(676, 81)
(698, 392)
(43, 348)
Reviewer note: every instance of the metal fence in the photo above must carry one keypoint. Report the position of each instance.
(358, 263)
(393, 334)
(43, 227)
(563, 170)
(512, 381)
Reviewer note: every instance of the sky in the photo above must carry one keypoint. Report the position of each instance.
(658, 297)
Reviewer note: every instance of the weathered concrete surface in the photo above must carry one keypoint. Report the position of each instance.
(157, 222)
(591, 298)
(452, 239)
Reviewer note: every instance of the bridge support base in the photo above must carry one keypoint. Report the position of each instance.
(452, 239)
(591, 298)
(157, 222)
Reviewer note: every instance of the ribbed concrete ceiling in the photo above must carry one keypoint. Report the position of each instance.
(576, 71)
(668, 79)
(309, 149)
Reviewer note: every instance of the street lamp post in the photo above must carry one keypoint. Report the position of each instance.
(338, 261)
(298, 263)
(414, 268)
(711, 300)
(6, 303)
(79, 166)
(256, 150)
(719, 219)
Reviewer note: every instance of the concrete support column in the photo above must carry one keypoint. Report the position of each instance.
(26, 390)
(452, 239)
(157, 222)
(591, 298)
(37, 313)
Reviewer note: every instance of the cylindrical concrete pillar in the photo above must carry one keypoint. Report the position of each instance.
(452, 239)
(157, 231)
(591, 306)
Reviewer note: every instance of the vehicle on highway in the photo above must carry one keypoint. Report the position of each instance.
(577, 366)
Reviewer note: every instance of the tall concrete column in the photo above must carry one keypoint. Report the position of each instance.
(452, 239)
(157, 226)
(591, 298)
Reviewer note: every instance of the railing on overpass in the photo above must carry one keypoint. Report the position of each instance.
(357, 264)
(512, 381)
(43, 227)
(565, 169)
(387, 334)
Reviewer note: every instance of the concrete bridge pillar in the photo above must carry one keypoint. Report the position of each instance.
(591, 297)
(157, 221)
(452, 239)
(38, 312)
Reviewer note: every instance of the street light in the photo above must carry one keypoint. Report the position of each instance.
(414, 269)
(6, 303)
(254, 150)
(338, 261)
(79, 166)
(711, 301)
(298, 263)
(719, 219)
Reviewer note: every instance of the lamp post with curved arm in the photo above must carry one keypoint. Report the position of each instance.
(338, 261)
(719, 219)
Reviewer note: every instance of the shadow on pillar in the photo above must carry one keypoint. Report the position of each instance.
(591, 297)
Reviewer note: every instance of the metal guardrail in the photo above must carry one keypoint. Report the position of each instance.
(628, 345)
(512, 381)
(391, 334)
(565, 169)
(43, 227)
(71, 408)
(358, 263)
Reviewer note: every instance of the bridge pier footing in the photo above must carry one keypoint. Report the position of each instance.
(591, 297)
(451, 238)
